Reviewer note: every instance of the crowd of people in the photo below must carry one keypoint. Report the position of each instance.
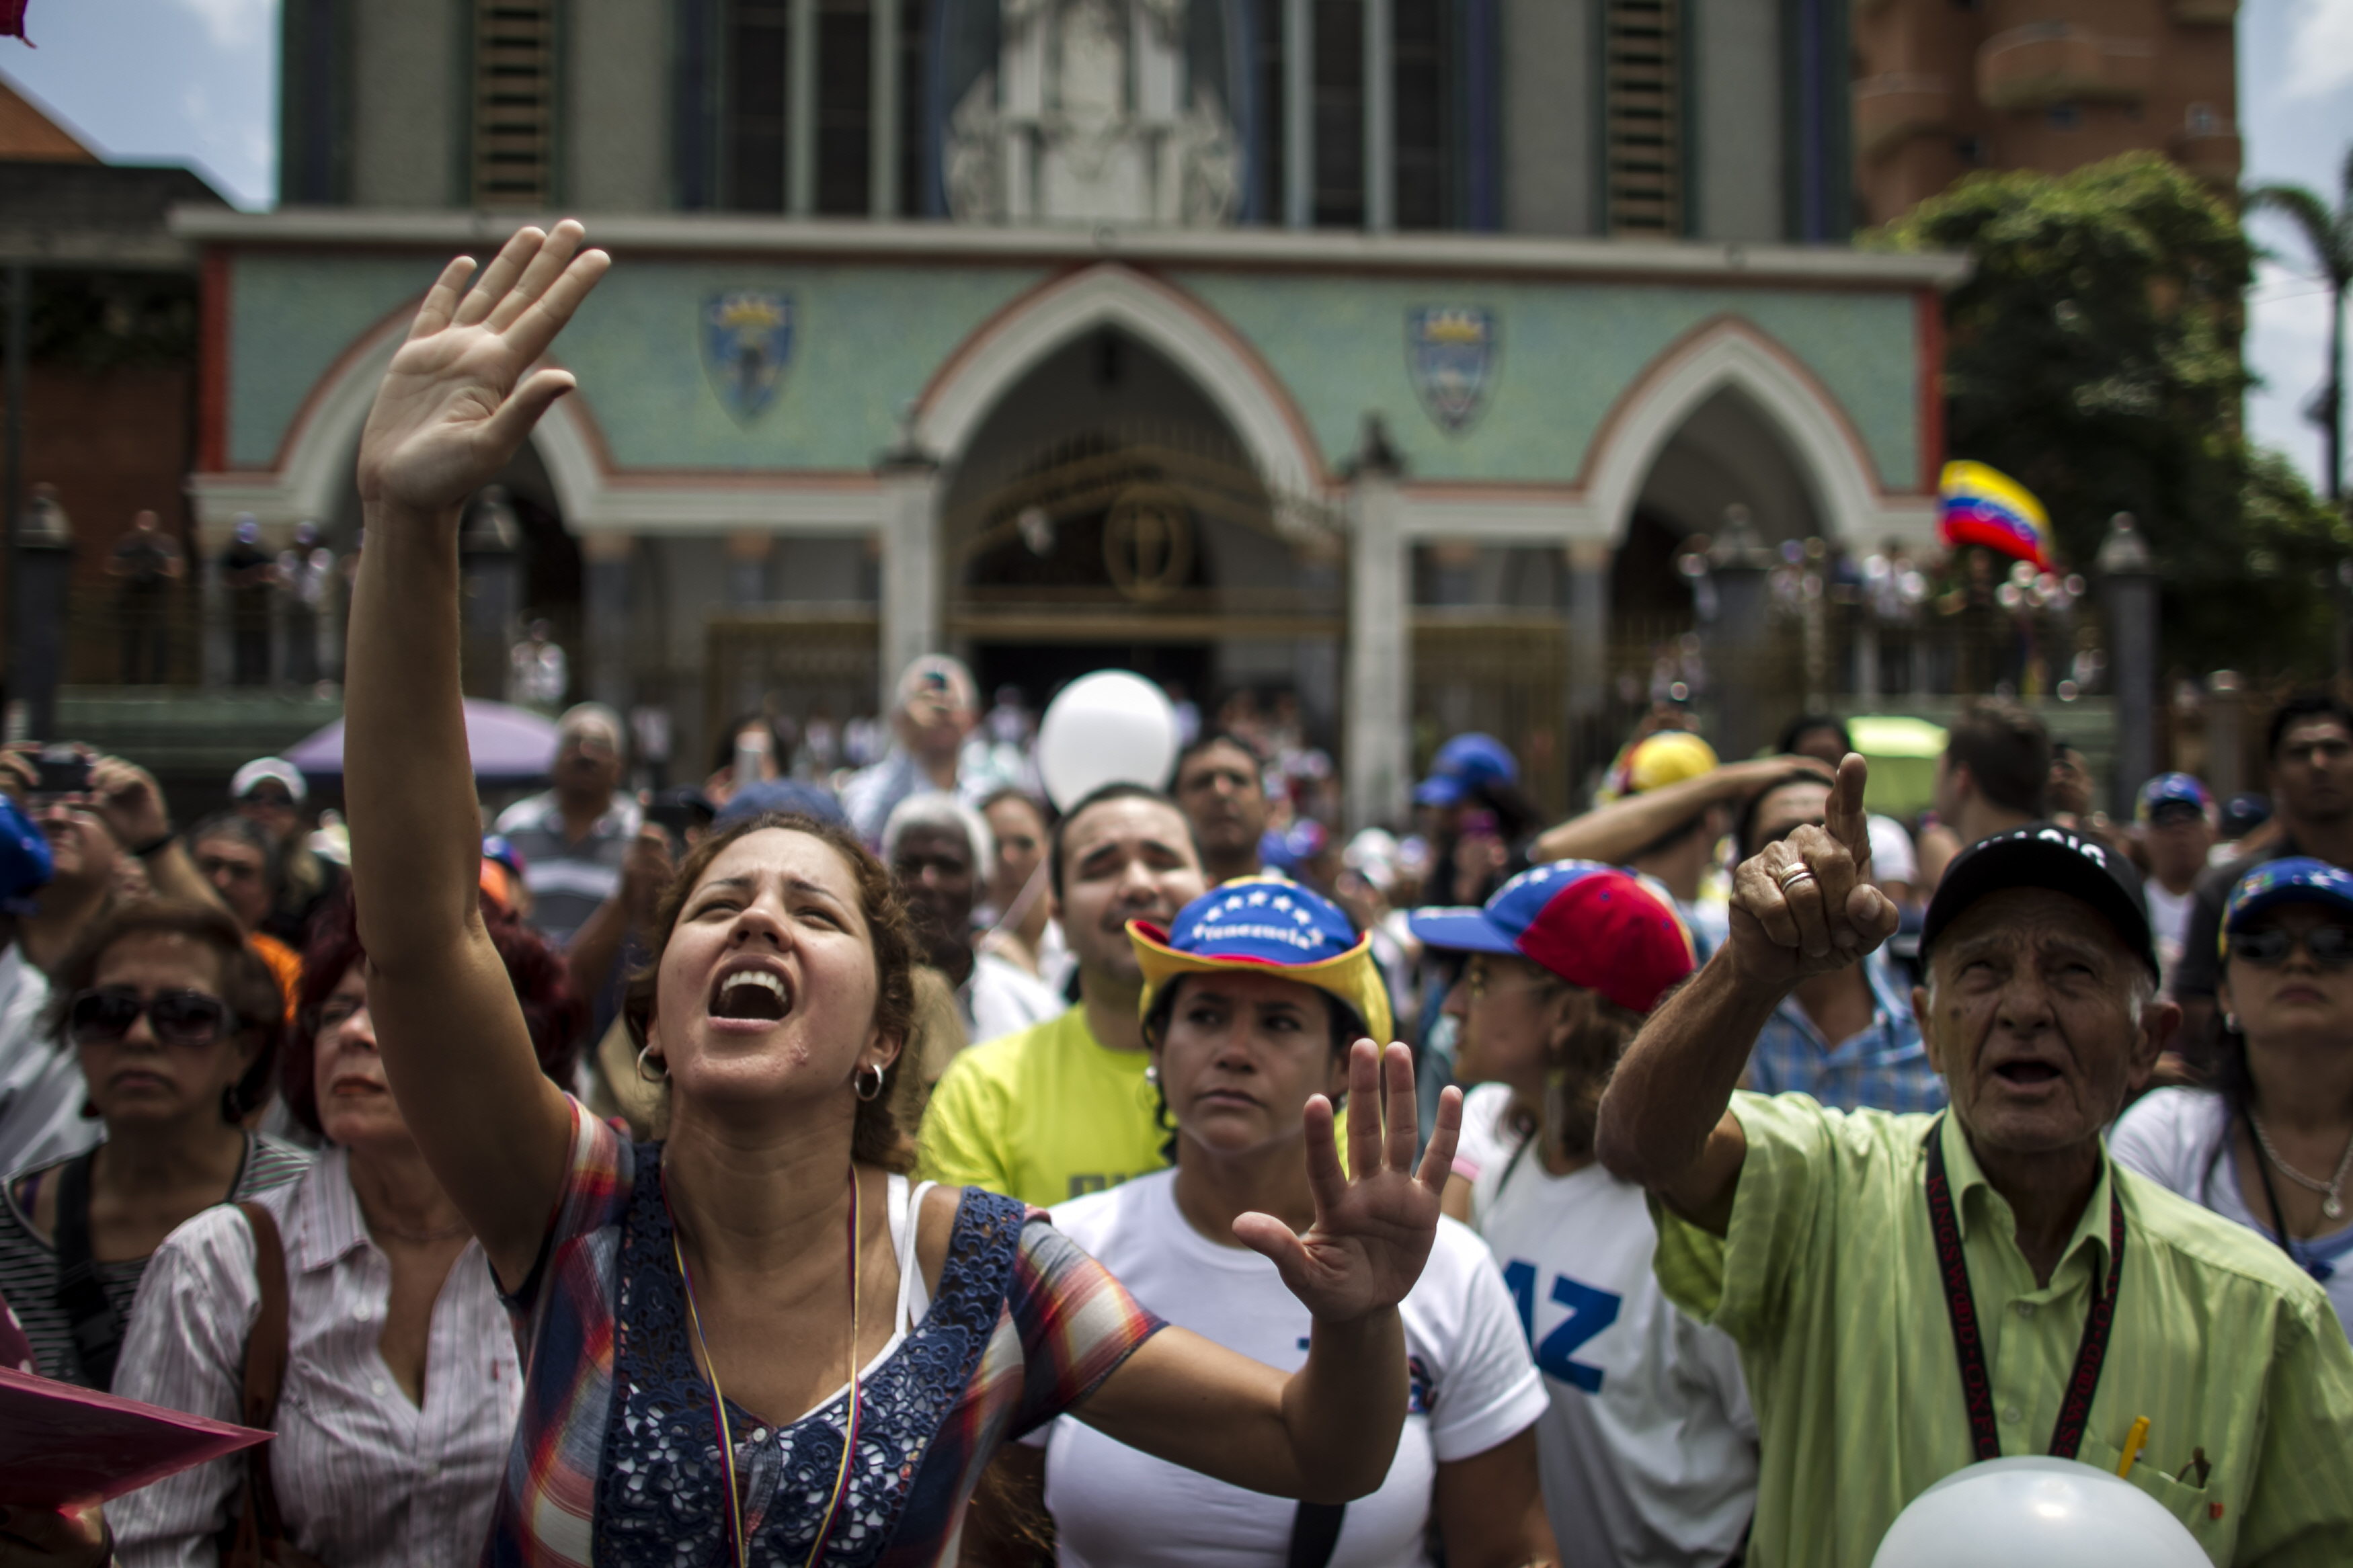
(909, 1172)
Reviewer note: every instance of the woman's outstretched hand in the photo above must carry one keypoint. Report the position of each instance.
(460, 394)
(1375, 1224)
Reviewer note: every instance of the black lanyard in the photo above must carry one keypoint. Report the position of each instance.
(1977, 1386)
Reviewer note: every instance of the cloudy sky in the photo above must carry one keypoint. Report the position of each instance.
(195, 81)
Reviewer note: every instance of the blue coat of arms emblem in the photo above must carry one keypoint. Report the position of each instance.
(1451, 353)
(748, 338)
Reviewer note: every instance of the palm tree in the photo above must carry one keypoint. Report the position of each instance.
(2330, 235)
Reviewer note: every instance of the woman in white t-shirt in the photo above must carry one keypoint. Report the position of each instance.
(1649, 1445)
(1251, 1002)
(2271, 1146)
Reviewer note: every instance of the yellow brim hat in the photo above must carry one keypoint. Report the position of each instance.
(1264, 925)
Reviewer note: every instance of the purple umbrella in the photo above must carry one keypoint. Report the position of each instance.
(508, 744)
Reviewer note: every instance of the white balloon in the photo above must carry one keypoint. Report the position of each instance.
(2036, 1512)
(1110, 727)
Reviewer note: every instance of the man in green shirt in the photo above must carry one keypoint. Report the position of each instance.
(1064, 1108)
(1863, 1260)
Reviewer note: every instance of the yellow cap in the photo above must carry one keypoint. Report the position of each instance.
(1668, 757)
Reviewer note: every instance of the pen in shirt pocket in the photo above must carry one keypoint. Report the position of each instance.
(2132, 1441)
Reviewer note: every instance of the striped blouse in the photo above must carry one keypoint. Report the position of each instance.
(1024, 1324)
(365, 1477)
(28, 1262)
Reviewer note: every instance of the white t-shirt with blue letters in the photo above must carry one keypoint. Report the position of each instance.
(1649, 1450)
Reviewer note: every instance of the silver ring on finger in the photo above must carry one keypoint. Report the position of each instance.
(1789, 875)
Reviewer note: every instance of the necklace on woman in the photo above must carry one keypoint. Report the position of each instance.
(741, 1552)
(2332, 1203)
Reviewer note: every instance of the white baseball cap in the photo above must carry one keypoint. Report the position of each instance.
(261, 768)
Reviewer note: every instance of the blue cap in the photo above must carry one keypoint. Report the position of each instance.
(1294, 846)
(1261, 925)
(2173, 789)
(25, 865)
(498, 846)
(1462, 764)
(790, 797)
(1593, 925)
(2243, 814)
(2300, 879)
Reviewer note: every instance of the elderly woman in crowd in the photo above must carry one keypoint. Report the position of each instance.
(402, 1382)
(176, 1025)
(728, 1331)
(1649, 1447)
(2272, 1145)
(939, 850)
(1251, 1000)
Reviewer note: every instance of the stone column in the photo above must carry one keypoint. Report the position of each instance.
(2129, 594)
(1299, 113)
(911, 566)
(1380, 117)
(605, 619)
(747, 567)
(1736, 640)
(800, 111)
(2226, 733)
(883, 96)
(1378, 758)
(1588, 628)
(212, 602)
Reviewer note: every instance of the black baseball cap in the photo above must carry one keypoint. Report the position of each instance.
(2044, 855)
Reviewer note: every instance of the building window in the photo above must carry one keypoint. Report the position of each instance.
(1339, 113)
(1426, 113)
(2202, 119)
(1971, 151)
(514, 104)
(845, 106)
(759, 34)
(1267, 62)
(2064, 116)
(1641, 87)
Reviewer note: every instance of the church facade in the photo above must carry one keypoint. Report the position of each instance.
(1381, 353)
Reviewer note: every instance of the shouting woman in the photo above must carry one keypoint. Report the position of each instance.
(758, 1341)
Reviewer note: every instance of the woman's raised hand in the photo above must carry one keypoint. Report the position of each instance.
(457, 401)
(1374, 1224)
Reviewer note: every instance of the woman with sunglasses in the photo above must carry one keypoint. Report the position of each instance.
(758, 1339)
(175, 1023)
(402, 1382)
(1250, 999)
(2270, 1144)
(1649, 1445)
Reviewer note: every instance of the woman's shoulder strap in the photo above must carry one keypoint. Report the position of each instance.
(266, 1342)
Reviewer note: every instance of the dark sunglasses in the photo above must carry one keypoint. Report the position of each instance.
(104, 1016)
(2174, 814)
(2331, 946)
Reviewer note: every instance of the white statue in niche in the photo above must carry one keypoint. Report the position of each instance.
(1088, 119)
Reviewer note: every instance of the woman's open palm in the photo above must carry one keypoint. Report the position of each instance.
(460, 394)
(1375, 1224)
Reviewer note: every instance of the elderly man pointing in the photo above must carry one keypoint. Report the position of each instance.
(1914, 1293)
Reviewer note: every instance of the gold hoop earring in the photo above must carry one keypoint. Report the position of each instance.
(661, 1077)
(858, 1083)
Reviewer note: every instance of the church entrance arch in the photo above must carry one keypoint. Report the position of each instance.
(1106, 514)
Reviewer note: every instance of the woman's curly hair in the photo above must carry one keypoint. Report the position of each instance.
(884, 1134)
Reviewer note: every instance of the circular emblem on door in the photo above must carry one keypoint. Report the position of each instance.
(1148, 543)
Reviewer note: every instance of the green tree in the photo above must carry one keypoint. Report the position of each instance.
(2093, 353)
(2331, 236)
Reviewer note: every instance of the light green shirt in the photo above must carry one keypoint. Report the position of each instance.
(1826, 1279)
(1048, 1114)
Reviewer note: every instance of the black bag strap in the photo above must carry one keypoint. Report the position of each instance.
(1315, 1533)
(96, 1326)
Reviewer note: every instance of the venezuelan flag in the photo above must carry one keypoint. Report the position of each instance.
(1985, 506)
